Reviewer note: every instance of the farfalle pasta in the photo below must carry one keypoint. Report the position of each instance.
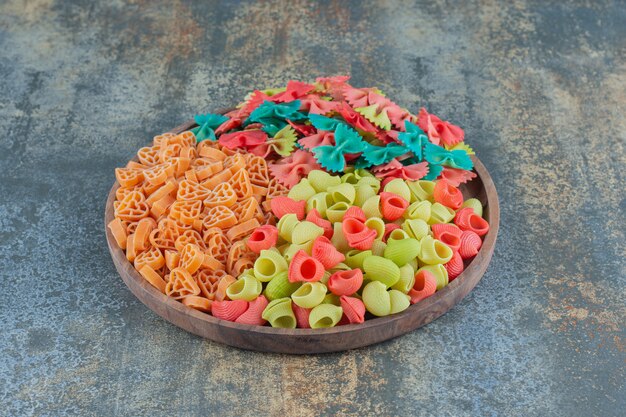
(312, 206)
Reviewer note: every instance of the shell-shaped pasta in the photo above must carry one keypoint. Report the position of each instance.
(424, 286)
(371, 207)
(402, 251)
(336, 212)
(439, 272)
(381, 269)
(324, 251)
(229, 310)
(398, 187)
(362, 193)
(339, 239)
(342, 193)
(415, 228)
(371, 182)
(475, 204)
(407, 279)
(454, 266)
(290, 250)
(331, 298)
(398, 234)
(353, 308)
(356, 213)
(321, 180)
(448, 233)
(305, 231)
(377, 224)
(304, 267)
(470, 244)
(467, 219)
(280, 287)
(345, 282)
(313, 216)
(253, 315)
(325, 315)
(418, 210)
(378, 248)
(433, 251)
(376, 299)
(302, 316)
(309, 295)
(320, 202)
(357, 234)
(263, 237)
(280, 314)
(302, 191)
(349, 178)
(284, 205)
(286, 225)
(448, 195)
(392, 206)
(440, 214)
(269, 264)
(245, 288)
(399, 301)
(355, 258)
(422, 190)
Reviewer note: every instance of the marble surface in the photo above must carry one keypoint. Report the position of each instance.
(540, 88)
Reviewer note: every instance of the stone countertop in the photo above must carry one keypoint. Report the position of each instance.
(540, 88)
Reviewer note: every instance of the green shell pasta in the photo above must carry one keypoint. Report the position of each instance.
(398, 187)
(325, 315)
(245, 288)
(304, 232)
(407, 279)
(371, 207)
(280, 287)
(291, 249)
(355, 258)
(402, 251)
(381, 269)
(321, 180)
(422, 190)
(339, 239)
(269, 264)
(342, 193)
(433, 251)
(320, 201)
(335, 212)
(309, 294)
(285, 226)
(416, 228)
(378, 248)
(280, 314)
(440, 214)
(362, 193)
(378, 224)
(381, 302)
(302, 191)
(418, 210)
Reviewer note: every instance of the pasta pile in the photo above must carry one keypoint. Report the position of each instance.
(351, 244)
(309, 206)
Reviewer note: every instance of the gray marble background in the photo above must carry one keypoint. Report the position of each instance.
(540, 88)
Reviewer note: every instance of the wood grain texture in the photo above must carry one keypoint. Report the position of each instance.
(306, 341)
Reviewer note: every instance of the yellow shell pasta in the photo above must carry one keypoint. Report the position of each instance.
(342, 193)
(381, 269)
(378, 224)
(321, 180)
(280, 314)
(371, 207)
(269, 264)
(381, 302)
(433, 251)
(302, 191)
(418, 210)
(407, 279)
(474, 204)
(398, 187)
(355, 258)
(320, 201)
(402, 251)
(309, 294)
(378, 247)
(440, 214)
(280, 287)
(325, 315)
(245, 288)
(285, 226)
(440, 272)
(416, 228)
(421, 190)
(335, 212)
(304, 232)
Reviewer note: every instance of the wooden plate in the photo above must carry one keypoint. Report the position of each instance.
(303, 341)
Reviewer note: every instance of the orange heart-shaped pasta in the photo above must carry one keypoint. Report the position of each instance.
(240, 181)
(246, 209)
(222, 195)
(149, 156)
(187, 211)
(128, 177)
(188, 190)
(133, 207)
(181, 284)
(151, 257)
(220, 216)
(189, 236)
